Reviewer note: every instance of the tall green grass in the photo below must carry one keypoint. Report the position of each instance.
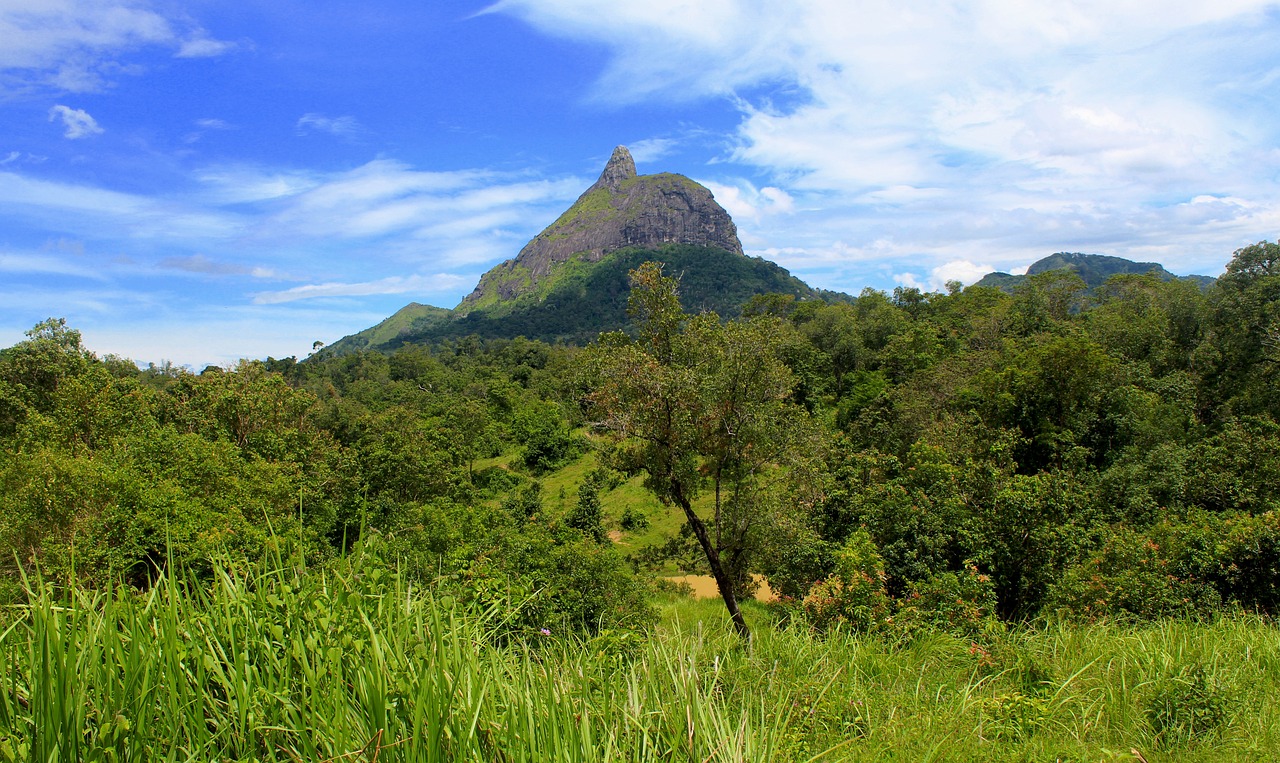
(355, 664)
(286, 665)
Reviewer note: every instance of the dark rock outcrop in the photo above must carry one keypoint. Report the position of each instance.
(621, 209)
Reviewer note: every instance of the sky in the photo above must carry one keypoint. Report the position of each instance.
(201, 181)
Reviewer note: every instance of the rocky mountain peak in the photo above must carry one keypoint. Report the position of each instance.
(621, 209)
(620, 167)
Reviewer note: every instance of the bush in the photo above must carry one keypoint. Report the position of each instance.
(1188, 706)
(494, 481)
(547, 441)
(634, 519)
(1129, 576)
(959, 602)
(854, 595)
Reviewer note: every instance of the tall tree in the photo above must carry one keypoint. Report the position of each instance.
(699, 404)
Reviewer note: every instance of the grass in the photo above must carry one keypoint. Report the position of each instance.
(288, 665)
(560, 493)
(352, 663)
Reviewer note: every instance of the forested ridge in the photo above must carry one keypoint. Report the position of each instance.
(893, 465)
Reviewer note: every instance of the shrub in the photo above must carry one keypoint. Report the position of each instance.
(1129, 576)
(634, 519)
(854, 595)
(1187, 706)
(960, 602)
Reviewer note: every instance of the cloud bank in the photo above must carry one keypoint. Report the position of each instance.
(991, 132)
(75, 45)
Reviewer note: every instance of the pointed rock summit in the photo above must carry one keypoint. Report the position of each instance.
(621, 209)
(621, 167)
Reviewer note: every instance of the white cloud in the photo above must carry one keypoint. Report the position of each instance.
(92, 212)
(204, 47)
(924, 134)
(343, 127)
(77, 122)
(199, 263)
(754, 207)
(651, 149)
(214, 124)
(354, 233)
(385, 197)
(14, 263)
(964, 271)
(421, 284)
(72, 44)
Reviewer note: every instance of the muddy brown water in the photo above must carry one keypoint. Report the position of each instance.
(704, 587)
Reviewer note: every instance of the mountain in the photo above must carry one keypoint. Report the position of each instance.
(1093, 269)
(569, 283)
(621, 210)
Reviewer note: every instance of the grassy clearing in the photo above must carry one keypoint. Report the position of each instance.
(560, 494)
(292, 665)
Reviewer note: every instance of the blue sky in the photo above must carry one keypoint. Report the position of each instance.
(204, 181)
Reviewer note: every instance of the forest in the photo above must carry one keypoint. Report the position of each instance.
(1034, 525)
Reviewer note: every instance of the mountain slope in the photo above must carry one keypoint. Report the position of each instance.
(586, 299)
(570, 282)
(1093, 269)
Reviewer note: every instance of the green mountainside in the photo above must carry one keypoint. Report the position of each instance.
(1093, 269)
(586, 298)
(569, 283)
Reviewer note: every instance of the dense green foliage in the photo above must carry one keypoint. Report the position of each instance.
(911, 464)
(110, 474)
(1104, 455)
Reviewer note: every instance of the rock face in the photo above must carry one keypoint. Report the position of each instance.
(622, 209)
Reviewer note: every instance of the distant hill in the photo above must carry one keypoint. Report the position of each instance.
(570, 282)
(1093, 269)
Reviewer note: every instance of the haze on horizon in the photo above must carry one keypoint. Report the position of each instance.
(200, 182)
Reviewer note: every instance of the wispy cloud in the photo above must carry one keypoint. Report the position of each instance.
(990, 132)
(421, 284)
(93, 212)
(342, 127)
(20, 157)
(355, 233)
(199, 263)
(72, 44)
(385, 197)
(204, 47)
(46, 264)
(77, 122)
(651, 149)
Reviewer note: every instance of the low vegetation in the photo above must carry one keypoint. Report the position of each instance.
(277, 662)
(1039, 525)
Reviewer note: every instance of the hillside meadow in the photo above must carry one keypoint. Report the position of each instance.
(284, 663)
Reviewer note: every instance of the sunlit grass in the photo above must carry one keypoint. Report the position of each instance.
(284, 664)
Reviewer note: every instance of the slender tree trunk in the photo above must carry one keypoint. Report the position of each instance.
(713, 561)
